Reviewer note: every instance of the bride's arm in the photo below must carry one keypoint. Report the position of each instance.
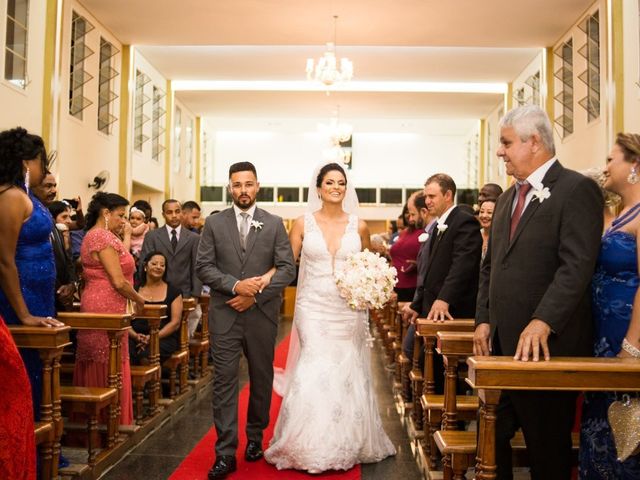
(295, 237)
(365, 235)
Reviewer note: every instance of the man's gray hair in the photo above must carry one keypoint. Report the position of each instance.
(529, 120)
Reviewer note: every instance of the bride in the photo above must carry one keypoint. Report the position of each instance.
(329, 415)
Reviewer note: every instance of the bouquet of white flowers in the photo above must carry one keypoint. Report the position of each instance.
(365, 280)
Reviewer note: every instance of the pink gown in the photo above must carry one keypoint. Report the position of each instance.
(99, 296)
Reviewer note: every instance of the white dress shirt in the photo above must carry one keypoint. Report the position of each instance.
(177, 229)
(251, 212)
(443, 218)
(535, 180)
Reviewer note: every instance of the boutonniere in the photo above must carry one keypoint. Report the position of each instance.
(542, 194)
(442, 227)
(423, 237)
(257, 225)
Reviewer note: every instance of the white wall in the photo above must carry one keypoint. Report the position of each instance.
(83, 150)
(24, 107)
(385, 153)
(631, 49)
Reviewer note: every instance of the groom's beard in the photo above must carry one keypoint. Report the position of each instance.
(244, 203)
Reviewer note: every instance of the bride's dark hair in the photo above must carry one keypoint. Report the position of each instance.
(329, 167)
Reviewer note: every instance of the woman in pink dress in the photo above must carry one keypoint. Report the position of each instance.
(108, 274)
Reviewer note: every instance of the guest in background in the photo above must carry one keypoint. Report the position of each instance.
(156, 291)
(27, 268)
(612, 201)
(146, 209)
(139, 229)
(191, 216)
(405, 251)
(66, 277)
(616, 311)
(47, 190)
(153, 223)
(378, 245)
(484, 217)
(108, 274)
(179, 245)
(489, 191)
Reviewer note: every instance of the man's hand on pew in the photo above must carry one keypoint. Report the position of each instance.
(533, 337)
(439, 311)
(409, 314)
(481, 340)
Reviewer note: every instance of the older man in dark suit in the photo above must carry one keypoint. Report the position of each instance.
(533, 300)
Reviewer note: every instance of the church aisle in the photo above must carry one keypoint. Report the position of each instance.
(164, 450)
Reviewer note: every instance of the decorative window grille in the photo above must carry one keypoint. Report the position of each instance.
(79, 77)
(158, 124)
(564, 97)
(140, 119)
(591, 76)
(15, 51)
(177, 140)
(188, 160)
(106, 94)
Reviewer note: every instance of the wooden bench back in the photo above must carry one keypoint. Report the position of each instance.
(188, 306)
(203, 300)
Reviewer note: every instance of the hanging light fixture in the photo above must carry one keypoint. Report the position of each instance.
(326, 68)
(339, 133)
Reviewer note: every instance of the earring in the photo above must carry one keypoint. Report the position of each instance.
(633, 176)
(26, 180)
(106, 222)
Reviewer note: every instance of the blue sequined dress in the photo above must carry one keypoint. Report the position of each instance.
(37, 273)
(614, 286)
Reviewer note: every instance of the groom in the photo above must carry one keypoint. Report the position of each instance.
(237, 247)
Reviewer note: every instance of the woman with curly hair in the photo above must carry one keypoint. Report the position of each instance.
(27, 279)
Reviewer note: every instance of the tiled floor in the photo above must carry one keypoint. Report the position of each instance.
(159, 455)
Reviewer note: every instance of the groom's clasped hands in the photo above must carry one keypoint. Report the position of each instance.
(246, 291)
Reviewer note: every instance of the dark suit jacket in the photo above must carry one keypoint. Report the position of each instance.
(181, 264)
(221, 263)
(546, 270)
(65, 271)
(453, 264)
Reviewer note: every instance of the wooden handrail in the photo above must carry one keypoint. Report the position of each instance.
(96, 321)
(490, 375)
(430, 328)
(455, 343)
(40, 337)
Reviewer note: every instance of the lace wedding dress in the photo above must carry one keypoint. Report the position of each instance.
(329, 415)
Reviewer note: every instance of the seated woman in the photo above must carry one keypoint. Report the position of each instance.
(156, 291)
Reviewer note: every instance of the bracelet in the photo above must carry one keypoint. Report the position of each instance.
(630, 349)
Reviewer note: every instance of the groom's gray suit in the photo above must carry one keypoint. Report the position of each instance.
(221, 262)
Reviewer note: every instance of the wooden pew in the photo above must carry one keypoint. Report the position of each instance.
(115, 325)
(426, 403)
(178, 363)
(456, 446)
(143, 374)
(401, 360)
(50, 342)
(199, 344)
(490, 375)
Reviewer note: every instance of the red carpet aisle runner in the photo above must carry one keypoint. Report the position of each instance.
(201, 458)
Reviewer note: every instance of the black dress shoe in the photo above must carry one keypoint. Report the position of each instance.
(253, 453)
(225, 464)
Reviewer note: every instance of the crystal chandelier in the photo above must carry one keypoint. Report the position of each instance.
(339, 134)
(326, 69)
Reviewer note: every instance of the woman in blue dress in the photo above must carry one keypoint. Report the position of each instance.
(27, 269)
(616, 311)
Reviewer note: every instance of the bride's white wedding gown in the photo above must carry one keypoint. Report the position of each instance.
(329, 415)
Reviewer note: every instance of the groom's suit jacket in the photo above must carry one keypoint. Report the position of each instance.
(221, 262)
(452, 266)
(545, 271)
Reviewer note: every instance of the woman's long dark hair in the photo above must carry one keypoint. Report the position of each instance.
(330, 167)
(145, 262)
(101, 200)
(56, 208)
(17, 145)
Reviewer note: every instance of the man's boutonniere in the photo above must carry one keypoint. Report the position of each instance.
(442, 227)
(423, 237)
(257, 225)
(542, 194)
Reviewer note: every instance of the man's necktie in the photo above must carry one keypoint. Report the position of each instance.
(244, 229)
(174, 239)
(517, 213)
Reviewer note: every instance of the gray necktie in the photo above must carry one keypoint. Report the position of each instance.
(244, 229)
